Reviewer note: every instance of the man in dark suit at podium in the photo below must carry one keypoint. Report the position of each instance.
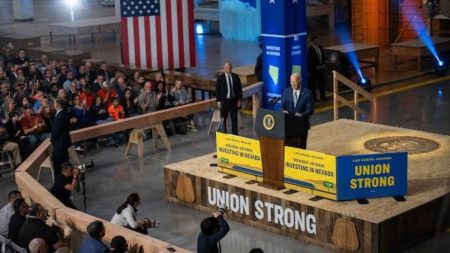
(228, 96)
(298, 101)
(60, 137)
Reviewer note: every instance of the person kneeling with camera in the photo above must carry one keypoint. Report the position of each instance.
(65, 183)
(126, 216)
(213, 229)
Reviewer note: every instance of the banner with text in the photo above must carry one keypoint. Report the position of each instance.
(284, 49)
(239, 156)
(310, 171)
(372, 176)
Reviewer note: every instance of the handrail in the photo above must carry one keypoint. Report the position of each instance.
(357, 90)
(66, 218)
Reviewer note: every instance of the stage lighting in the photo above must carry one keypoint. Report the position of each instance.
(364, 82)
(440, 68)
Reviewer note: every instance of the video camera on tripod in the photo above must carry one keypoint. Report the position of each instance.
(82, 168)
(81, 179)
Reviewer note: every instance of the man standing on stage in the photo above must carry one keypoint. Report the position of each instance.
(316, 68)
(298, 101)
(60, 137)
(228, 96)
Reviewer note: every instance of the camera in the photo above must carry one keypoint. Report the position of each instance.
(151, 223)
(84, 166)
(222, 208)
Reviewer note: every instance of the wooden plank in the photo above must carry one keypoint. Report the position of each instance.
(32, 163)
(146, 120)
(78, 221)
(34, 191)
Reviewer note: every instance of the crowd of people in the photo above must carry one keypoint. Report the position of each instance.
(28, 88)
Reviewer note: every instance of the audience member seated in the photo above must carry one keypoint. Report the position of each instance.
(6, 145)
(93, 242)
(126, 215)
(70, 79)
(180, 97)
(16, 135)
(115, 110)
(48, 115)
(7, 211)
(162, 100)
(86, 96)
(121, 87)
(66, 183)
(73, 90)
(38, 245)
(107, 94)
(81, 116)
(147, 99)
(129, 104)
(34, 127)
(256, 250)
(35, 227)
(99, 113)
(120, 245)
(17, 220)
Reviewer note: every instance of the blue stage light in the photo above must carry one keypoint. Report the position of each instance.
(345, 38)
(364, 82)
(440, 68)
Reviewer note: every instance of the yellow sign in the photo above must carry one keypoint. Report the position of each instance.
(239, 156)
(310, 171)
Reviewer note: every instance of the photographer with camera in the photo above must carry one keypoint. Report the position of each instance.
(126, 216)
(213, 229)
(65, 183)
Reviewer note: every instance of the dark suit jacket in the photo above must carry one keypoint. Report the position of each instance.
(222, 87)
(60, 137)
(305, 104)
(313, 58)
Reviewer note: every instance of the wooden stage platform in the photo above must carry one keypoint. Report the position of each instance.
(418, 49)
(382, 225)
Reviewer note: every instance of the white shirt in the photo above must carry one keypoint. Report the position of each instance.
(126, 218)
(5, 215)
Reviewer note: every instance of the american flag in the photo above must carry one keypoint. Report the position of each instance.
(158, 33)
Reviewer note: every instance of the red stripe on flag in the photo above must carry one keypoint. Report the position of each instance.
(159, 50)
(191, 32)
(125, 50)
(148, 42)
(170, 49)
(137, 46)
(180, 32)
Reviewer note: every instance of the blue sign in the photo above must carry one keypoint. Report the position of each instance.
(372, 176)
(284, 46)
(252, 3)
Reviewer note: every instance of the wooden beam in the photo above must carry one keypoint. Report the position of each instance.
(153, 118)
(79, 221)
(34, 161)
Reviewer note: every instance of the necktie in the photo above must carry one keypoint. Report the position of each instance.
(319, 54)
(230, 87)
(295, 98)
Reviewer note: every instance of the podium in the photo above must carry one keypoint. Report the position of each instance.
(273, 128)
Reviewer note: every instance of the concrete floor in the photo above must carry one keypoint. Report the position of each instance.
(115, 175)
